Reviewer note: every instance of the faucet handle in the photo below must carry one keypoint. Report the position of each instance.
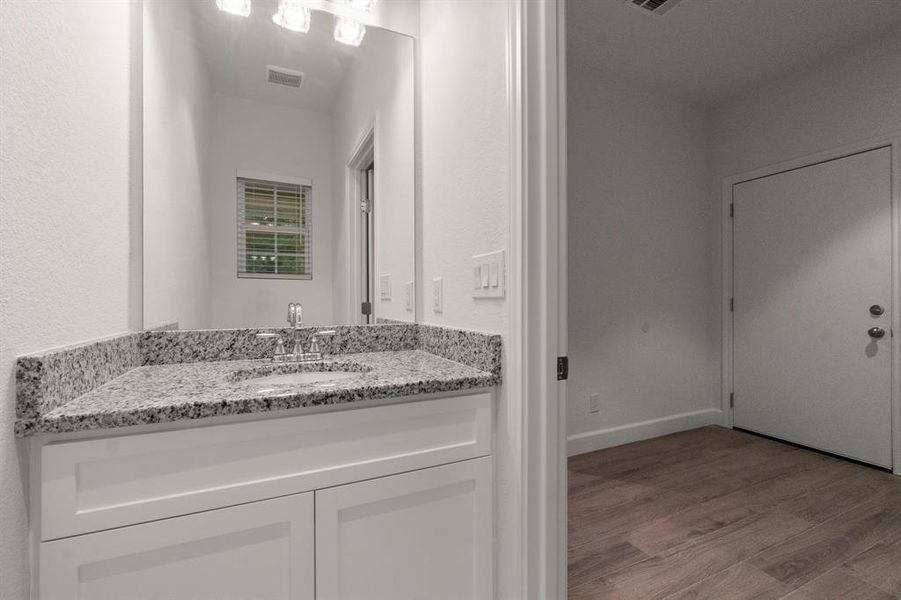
(314, 340)
(279, 344)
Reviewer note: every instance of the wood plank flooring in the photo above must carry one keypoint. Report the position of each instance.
(720, 514)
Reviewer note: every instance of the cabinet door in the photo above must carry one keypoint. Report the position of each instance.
(424, 534)
(262, 550)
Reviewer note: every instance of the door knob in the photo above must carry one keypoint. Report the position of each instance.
(876, 332)
(876, 310)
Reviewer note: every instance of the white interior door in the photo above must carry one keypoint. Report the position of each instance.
(812, 253)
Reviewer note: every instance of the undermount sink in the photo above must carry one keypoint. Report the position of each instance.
(303, 377)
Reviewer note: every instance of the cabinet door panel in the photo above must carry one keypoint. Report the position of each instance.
(425, 535)
(258, 551)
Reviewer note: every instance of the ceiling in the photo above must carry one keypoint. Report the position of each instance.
(708, 51)
(238, 49)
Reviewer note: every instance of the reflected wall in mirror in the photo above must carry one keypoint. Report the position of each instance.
(278, 168)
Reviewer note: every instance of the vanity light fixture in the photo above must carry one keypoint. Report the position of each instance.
(293, 16)
(349, 31)
(235, 7)
(363, 5)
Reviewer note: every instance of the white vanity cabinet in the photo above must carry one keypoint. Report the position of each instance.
(390, 501)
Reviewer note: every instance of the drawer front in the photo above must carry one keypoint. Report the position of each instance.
(99, 484)
(259, 551)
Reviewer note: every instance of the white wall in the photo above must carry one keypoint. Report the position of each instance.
(176, 106)
(850, 97)
(377, 91)
(465, 173)
(465, 206)
(64, 207)
(278, 140)
(639, 275)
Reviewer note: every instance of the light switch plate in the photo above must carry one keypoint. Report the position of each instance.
(385, 286)
(490, 273)
(408, 296)
(438, 295)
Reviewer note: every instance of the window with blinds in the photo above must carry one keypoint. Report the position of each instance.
(275, 229)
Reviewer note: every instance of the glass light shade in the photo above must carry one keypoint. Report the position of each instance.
(349, 31)
(235, 7)
(293, 16)
(364, 5)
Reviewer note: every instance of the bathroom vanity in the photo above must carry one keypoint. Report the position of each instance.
(210, 456)
(194, 475)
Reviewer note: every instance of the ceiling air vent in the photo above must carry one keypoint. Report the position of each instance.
(658, 7)
(283, 76)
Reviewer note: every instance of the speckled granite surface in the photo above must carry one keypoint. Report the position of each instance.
(163, 376)
(49, 379)
(479, 350)
(176, 392)
(166, 347)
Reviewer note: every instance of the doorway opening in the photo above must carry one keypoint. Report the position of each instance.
(733, 261)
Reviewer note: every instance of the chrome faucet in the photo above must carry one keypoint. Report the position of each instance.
(297, 354)
(295, 320)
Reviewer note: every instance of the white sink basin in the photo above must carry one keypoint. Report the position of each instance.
(303, 377)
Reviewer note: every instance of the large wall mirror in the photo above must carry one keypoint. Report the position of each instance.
(278, 165)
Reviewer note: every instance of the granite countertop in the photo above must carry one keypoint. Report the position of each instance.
(176, 392)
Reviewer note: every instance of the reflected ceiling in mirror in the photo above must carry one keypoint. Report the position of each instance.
(278, 168)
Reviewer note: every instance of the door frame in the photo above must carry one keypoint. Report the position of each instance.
(892, 141)
(536, 83)
(363, 154)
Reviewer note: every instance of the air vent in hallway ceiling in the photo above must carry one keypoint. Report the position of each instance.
(283, 76)
(658, 7)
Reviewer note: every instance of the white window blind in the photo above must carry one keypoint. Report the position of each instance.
(275, 229)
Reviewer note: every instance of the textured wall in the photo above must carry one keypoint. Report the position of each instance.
(639, 274)
(465, 155)
(64, 207)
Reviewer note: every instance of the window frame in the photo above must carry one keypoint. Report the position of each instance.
(242, 227)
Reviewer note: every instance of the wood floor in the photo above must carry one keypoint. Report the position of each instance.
(720, 514)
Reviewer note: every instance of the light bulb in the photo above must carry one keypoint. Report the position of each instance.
(235, 7)
(293, 16)
(349, 31)
(364, 5)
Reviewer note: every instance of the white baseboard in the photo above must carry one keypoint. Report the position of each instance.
(580, 443)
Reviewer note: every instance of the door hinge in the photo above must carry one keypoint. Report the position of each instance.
(366, 205)
(732, 304)
(366, 308)
(732, 210)
(731, 400)
(562, 368)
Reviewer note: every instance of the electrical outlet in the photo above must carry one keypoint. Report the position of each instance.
(385, 286)
(408, 296)
(437, 295)
(594, 403)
